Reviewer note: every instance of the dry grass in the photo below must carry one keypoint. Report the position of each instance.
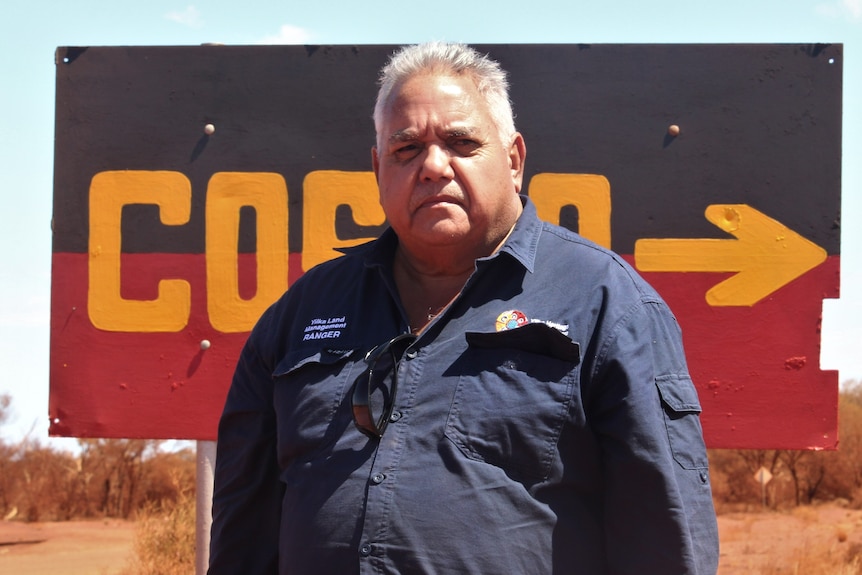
(808, 540)
(828, 560)
(165, 540)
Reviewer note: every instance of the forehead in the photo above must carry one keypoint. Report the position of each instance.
(438, 100)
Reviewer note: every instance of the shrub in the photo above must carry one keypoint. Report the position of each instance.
(165, 539)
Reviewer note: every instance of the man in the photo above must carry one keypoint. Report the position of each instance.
(474, 392)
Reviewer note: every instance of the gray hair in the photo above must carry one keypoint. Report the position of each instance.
(454, 59)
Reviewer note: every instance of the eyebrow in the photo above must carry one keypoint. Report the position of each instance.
(402, 136)
(410, 135)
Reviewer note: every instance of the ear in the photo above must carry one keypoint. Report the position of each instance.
(517, 157)
(375, 162)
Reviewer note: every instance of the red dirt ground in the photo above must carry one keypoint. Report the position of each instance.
(751, 543)
(65, 548)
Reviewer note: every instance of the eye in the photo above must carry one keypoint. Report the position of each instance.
(406, 151)
(464, 146)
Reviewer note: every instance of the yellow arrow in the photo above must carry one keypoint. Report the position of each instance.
(766, 255)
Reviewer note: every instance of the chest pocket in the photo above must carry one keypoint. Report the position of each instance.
(513, 396)
(309, 391)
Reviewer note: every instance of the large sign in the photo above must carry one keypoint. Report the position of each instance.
(194, 184)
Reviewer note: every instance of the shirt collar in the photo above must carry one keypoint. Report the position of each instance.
(522, 243)
(376, 253)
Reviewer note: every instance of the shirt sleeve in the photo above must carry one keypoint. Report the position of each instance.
(659, 515)
(247, 493)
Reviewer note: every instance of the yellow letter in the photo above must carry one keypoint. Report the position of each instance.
(109, 192)
(322, 193)
(590, 194)
(226, 194)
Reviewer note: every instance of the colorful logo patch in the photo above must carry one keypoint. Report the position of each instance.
(511, 319)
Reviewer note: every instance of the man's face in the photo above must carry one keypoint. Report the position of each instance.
(445, 176)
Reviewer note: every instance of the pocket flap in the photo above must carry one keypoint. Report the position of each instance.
(678, 393)
(299, 358)
(534, 337)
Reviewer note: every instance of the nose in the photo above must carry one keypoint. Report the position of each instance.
(436, 165)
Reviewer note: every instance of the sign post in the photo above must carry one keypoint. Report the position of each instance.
(763, 476)
(205, 457)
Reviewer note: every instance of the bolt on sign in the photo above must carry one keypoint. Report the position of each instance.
(194, 184)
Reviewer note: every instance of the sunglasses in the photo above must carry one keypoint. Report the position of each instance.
(382, 362)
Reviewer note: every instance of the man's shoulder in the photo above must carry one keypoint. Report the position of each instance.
(561, 249)
(312, 304)
(567, 243)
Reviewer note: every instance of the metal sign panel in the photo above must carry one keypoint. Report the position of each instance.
(170, 238)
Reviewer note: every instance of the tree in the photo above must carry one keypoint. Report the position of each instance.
(118, 466)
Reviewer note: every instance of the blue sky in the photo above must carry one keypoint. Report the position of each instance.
(31, 31)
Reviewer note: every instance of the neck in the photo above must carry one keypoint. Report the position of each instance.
(427, 285)
(426, 291)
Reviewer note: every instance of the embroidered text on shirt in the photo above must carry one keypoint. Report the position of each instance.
(325, 328)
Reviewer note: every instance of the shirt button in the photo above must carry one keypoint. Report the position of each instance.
(411, 354)
(377, 478)
(396, 415)
(365, 550)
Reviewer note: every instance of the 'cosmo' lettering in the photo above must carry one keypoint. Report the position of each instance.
(227, 193)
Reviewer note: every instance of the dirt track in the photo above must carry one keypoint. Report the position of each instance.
(67, 548)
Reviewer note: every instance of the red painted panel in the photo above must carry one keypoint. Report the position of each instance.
(138, 385)
(756, 368)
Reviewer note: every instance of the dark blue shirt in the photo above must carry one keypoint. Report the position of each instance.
(544, 423)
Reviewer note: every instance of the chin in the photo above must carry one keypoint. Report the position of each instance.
(442, 239)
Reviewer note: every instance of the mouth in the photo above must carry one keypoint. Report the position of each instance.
(439, 200)
(437, 203)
